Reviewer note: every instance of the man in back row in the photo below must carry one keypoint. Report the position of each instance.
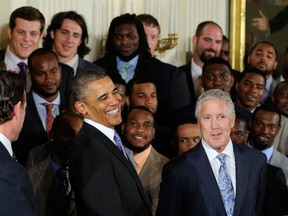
(127, 53)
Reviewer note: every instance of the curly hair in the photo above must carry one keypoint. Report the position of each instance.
(110, 50)
(57, 22)
(11, 92)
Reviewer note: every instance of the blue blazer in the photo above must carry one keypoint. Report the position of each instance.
(84, 65)
(189, 186)
(16, 192)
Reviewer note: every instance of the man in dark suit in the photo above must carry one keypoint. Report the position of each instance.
(25, 31)
(207, 43)
(67, 36)
(45, 73)
(195, 182)
(15, 188)
(127, 53)
(104, 180)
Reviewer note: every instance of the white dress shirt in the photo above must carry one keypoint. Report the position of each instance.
(7, 144)
(215, 163)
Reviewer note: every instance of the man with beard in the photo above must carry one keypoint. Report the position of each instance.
(265, 125)
(207, 43)
(139, 131)
(263, 56)
(44, 102)
(127, 53)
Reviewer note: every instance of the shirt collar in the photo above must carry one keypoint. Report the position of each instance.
(74, 63)
(6, 142)
(109, 132)
(212, 153)
(40, 100)
(12, 60)
(133, 61)
(268, 152)
(268, 83)
(197, 71)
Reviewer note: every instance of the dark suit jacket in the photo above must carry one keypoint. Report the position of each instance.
(186, 69)
(280, 20)
(276, 195)
(16, 193)
(48, 201)
(32, 134)
(189, 186)
(104, 181)
(84, 65)
(172, 91)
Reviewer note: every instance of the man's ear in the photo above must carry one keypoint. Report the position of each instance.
(127, 101)
(80, 107)
(17, 109)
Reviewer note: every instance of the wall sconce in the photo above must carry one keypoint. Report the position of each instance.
(167, 43)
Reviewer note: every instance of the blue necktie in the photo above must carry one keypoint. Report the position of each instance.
(118, 142)
(225, 186)
(123, 72)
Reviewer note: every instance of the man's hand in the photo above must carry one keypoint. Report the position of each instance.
(261, 23)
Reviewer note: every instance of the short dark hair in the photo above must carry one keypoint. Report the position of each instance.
(57, 123)
(263, 42)
(12, 90)
(27, 13)
(149, 20)
(250, 70)
(278, 86)
(217, 60)
(202, 25)
(267, 108)
(79, 88)
(39, 52)
(56, 24)
(144, 108)
(136, 80)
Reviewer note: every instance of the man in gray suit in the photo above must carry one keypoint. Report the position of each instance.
(194, 182)
(139, 130)
(265, 125)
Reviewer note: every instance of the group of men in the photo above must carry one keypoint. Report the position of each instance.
(116, 170)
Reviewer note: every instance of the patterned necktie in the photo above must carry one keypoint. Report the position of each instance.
(225, 186)
(64, 183)
(49, 116)
(118, 142)
(23, 68)
(123, 72)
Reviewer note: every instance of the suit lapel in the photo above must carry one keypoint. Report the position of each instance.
(118, 154)
(209, 184)
(242, 170)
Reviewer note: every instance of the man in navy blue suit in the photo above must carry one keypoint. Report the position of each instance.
(15, 187)
(190, 182)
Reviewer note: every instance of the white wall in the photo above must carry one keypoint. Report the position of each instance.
(174, 16)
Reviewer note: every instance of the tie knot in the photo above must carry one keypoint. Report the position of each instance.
(63, 173)
(49, 107)
(23, 67)
(116, 138)
(221, 157)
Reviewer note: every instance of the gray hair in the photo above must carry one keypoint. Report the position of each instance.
(80, 89)
(214, 94)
